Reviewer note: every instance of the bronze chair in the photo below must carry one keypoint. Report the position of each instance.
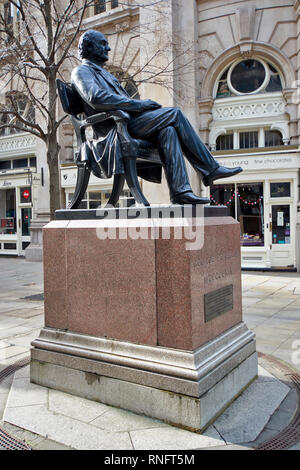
(134, 152)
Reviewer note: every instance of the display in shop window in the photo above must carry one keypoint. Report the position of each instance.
(246, 204)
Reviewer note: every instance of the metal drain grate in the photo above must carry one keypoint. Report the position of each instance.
(8, 442)
(290, 435)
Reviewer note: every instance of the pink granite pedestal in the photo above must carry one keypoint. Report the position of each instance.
(126, 301)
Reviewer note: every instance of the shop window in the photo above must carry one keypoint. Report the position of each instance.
(273, 139)
(5, 165)
(95, 199)
(280, 189)
(224, 142)
(8, 211)
(248, 140)
(223, 195)
(126, 199)
(245, 203)
(250, 213)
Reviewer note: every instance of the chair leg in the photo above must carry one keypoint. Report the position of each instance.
(83, 176)
(118, 185)
(133, 182)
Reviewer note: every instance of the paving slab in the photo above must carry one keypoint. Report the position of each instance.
(46, 412)
(248, 415)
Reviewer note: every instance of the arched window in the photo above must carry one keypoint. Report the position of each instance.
(248, 76)
(273, 139)
(224, 142)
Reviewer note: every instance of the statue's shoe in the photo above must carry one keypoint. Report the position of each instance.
(189, 198)
(221, 172)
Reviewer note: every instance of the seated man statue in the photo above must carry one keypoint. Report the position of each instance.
(167, 128)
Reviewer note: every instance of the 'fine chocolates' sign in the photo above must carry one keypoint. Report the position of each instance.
(218, 302)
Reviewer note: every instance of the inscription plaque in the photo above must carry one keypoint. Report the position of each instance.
(218, 302)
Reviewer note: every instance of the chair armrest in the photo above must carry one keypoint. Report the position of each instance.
(117, 115)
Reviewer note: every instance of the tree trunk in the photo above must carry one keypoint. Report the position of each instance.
(54, 183)
(53, 146)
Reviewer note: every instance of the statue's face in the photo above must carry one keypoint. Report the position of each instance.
(100, 48)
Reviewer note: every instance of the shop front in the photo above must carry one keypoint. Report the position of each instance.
(263, 198)
(15, 215)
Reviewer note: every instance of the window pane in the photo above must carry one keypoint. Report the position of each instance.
(95, 196)
(280, 189)
(281, 234)
(248, 140)
(5, 164)
(248, 76)
(273, 139)
(83, 205)
(100, 6)
(250, 212)
(223, 195)
(275, 82)
(33, 161)
(223, 89)
(8, 211)
(26, 217)
(25, 195)
(224, 142)
(22, 163)
(114, 3)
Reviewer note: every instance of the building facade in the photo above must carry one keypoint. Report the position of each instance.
(248, 69)
(233, 69)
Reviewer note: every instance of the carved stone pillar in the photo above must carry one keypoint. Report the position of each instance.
(205, 117)
(291, 109)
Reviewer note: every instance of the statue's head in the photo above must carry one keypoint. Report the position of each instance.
(93, 45)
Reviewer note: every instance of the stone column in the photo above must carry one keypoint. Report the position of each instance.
(41, 214)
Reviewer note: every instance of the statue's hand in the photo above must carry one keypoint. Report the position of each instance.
(150, 105)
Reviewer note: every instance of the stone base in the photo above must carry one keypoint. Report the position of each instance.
(145, 313)
(184, 388)
(34, 252)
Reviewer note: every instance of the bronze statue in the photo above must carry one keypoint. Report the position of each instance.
(167, 128)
